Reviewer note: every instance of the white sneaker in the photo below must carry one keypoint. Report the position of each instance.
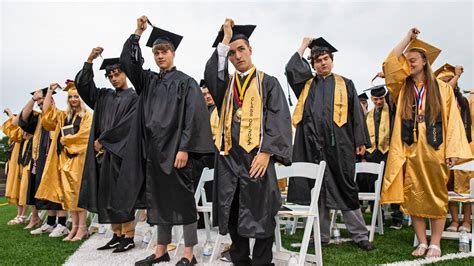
(45, 228)
(59, 230)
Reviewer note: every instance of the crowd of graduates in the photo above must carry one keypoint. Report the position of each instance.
(145, 147)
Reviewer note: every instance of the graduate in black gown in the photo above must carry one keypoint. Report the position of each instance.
(114, 110)
(30, 122)
(330, 126)
(207, 160)
(170, 133)
(254, 134)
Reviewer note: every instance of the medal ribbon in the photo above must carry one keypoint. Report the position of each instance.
(243, 88)
(419, 95)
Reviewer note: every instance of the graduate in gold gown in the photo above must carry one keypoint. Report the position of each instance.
(428, 137)
(63, 172)
(17, 168)
(459, 180)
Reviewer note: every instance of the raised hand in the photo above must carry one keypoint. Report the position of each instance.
(141, 25)
(227, 28)
(304, 44)
(94, 54)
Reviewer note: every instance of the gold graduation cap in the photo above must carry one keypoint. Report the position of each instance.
(446, 70)
(70, 86)
(430, 51)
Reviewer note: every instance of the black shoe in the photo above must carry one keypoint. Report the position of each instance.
(185, 262)
(115, 242)
(153, 259)
(225, 256)
(365, 245)
(397, 225)
(125, 244)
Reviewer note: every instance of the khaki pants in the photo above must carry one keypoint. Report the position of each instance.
(125, 229)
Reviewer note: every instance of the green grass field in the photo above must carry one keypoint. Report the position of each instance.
(18, 247)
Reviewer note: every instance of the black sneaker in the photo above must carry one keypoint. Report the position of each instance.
(115, 242)
(365, 245)
(225, 256)
(150, 260)
(397, 225)
(185, 262)
(125, 244)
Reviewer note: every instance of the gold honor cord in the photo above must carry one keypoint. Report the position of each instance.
(246, 82)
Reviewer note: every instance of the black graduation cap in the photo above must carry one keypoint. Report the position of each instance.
(363, 96)
(44, 90)
(377, 91)
(238, 32)
(202, 84)
(109, 62)
(321, 43)
(160, 35)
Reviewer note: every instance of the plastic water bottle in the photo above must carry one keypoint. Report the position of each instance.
(147, 237)
(292, 261)
(406, 219)
(207, 249)
(336, 235)
(463, 242)
(101, 229)
(288, 227)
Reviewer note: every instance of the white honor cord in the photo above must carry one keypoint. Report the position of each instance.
(261, 111)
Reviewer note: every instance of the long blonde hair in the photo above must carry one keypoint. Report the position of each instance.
(70, 111)
(433, 96)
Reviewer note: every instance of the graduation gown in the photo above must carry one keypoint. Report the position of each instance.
(416, 175)
(462, 179)
(40, 152)
(12, 186)
(171, 117)
(366, 182)
(114, 111)
(63, 175)
(313, 138)
(259, 199)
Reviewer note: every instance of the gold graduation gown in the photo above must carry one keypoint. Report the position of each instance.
(462, 179)
(12, 188)
(416, 175)
(62, 176)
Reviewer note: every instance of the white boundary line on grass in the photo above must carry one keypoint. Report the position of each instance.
(431, 260)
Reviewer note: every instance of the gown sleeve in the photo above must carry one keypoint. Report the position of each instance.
(277, 133)
(396, 70)
(297, 71)
(216, 79)
(132, 61)
(85, 85)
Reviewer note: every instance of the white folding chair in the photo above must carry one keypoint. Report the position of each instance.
(376, 169)
(311, 212)
(205, 207)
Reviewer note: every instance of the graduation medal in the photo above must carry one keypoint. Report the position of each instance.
(238, 115)
(420, 118)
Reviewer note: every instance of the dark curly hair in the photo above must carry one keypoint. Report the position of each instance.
(317, 52)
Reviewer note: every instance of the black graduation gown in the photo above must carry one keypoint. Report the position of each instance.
(313, 138)
(260, 199)
(114, 111)
(35, 177)
(171, 117)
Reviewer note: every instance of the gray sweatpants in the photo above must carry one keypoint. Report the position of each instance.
(189, 234)
(353, 219)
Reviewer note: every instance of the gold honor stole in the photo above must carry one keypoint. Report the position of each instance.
(384, 130)
(250, 123)
(214, 123)
(339, 103)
